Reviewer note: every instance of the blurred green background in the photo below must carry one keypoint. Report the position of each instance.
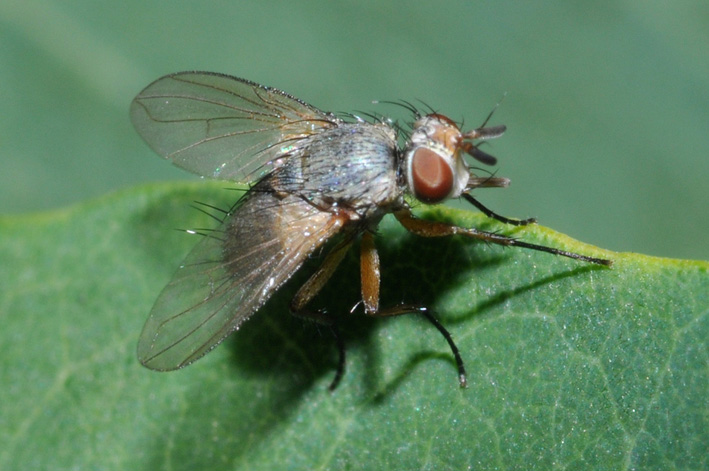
(607, 102)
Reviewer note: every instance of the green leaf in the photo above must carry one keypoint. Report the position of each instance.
(570, 366)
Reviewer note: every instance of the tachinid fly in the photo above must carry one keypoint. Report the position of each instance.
(314, 175)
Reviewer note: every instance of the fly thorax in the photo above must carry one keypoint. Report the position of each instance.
(353, 165)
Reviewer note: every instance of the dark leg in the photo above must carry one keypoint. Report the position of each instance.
(438, 229)
(489, 213)
(462, 376)
(309, 290)
(410, 309)
(342, 357)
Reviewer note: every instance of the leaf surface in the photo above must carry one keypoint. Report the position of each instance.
(570, 366)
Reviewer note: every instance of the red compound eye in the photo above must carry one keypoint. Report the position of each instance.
(431, 176)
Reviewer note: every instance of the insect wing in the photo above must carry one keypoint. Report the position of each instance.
(230, 274)
(223, 127)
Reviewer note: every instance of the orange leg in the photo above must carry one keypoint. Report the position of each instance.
(371, 276)
(425, 228)
(315, 283)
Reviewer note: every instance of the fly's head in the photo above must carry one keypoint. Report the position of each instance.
(434, 166)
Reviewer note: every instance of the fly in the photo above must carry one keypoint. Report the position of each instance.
(314, 175)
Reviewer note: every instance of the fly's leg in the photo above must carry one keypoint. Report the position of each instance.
(491, 214)
(310, 289)
(369, 273)
(425, 228)
(371, 277)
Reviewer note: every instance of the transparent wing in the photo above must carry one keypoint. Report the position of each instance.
(223, 127)
(229, 275)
